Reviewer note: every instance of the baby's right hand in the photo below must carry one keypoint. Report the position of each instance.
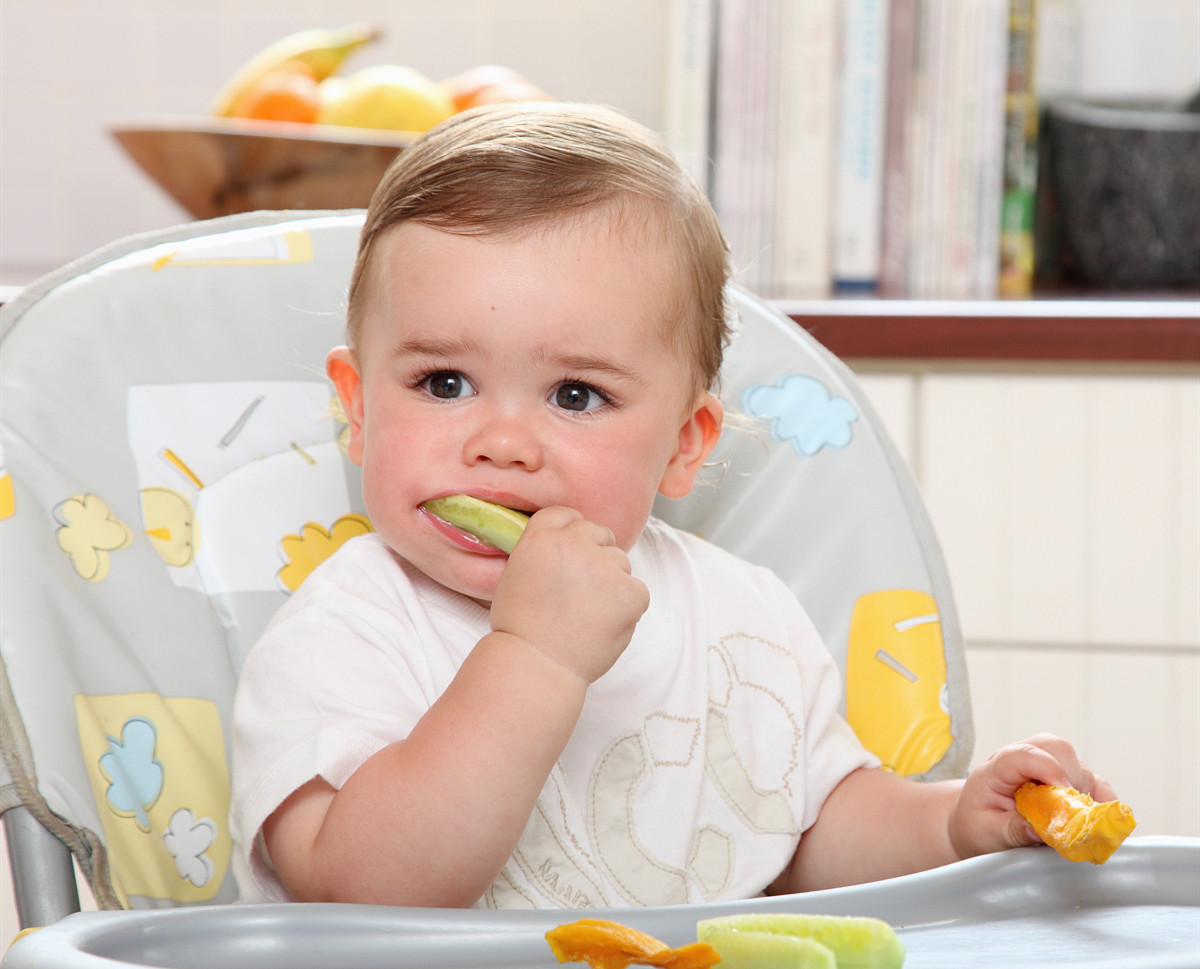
(569, 592)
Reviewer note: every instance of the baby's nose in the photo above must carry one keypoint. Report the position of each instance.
(505, 441)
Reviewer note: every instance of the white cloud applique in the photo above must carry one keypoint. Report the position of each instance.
(187, 840)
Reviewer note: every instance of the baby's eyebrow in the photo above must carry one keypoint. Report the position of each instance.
(433, 346)
(594, 363)
(439, 347)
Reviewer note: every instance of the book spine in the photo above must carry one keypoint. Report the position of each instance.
(804, 176)
(763, 151)
(897, 174)
(1016, 231)
(729, 179)
(925, 149)
(689, 85)
(961, 158)
(858, 186)
(994, 45)
(745, 135)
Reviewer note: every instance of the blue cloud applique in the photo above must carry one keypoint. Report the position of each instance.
(801, 410)
(135, 776)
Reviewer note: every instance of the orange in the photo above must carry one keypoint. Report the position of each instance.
(287, 93)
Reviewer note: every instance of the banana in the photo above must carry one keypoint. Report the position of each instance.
(500, 527)
(323, 50)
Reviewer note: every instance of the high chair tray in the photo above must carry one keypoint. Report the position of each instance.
(1026, 908)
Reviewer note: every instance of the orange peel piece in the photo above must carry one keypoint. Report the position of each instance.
(1074, 825)
(610, 945)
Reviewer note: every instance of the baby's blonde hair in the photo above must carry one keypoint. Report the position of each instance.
(508, 169)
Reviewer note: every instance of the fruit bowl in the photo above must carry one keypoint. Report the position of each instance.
(218, 166)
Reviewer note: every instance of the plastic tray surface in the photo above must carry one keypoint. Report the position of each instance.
(1026, 908)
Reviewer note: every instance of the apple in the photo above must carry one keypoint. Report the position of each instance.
(491, 84)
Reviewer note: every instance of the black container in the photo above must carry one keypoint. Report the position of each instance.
(1125, 185)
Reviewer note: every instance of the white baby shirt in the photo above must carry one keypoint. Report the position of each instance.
(697, 761)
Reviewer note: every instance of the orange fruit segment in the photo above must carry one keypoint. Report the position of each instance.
(288, 93)
(1074, 825)
(610, 945)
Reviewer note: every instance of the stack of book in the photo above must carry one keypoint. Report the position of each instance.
(862, 146)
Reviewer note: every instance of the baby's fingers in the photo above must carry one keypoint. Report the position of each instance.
(554, 516)
(1011, 766)
(560, 518)
(1072, 771)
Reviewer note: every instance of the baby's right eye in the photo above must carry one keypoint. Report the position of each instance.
(447, 385)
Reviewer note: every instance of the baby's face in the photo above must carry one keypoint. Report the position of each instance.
(528, 371)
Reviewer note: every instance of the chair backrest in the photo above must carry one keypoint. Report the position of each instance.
(171, 469)
(811, 485)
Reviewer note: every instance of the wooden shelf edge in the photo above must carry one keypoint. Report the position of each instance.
(1037, 330)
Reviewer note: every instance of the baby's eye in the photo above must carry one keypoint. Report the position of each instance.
(577, 396)
(447, 385)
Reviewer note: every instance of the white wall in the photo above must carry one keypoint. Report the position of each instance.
(70, 67)
(1067, 502)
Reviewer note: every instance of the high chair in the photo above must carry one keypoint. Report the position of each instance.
(171, 471)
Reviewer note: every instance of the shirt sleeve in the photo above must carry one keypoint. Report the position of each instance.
(329, 684)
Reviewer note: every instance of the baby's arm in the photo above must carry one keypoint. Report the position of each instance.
(432, 819)
(877, 825)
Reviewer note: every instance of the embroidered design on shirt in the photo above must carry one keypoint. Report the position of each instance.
(757, 792)
(642, 878)
(542, 856)
(711, 863)
(506, 893)
(672, 740)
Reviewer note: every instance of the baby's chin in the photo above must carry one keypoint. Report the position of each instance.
(481, 588)
(478, 583)
(473, 576)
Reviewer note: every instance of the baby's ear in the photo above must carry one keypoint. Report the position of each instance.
(697, 437)
(342, 367)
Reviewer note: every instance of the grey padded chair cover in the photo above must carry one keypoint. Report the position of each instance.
(171, 470)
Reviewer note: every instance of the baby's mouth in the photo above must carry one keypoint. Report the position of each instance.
(491, 525)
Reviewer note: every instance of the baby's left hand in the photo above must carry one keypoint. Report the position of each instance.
(985, 818)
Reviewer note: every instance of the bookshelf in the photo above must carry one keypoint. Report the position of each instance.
(902, 150)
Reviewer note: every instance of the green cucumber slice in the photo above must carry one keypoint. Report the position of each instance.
(500, 527)
(857, 942)
(765, 950)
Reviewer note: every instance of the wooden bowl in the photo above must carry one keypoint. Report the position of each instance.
(218, 166)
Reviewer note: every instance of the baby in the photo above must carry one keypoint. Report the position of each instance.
(536, 319)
